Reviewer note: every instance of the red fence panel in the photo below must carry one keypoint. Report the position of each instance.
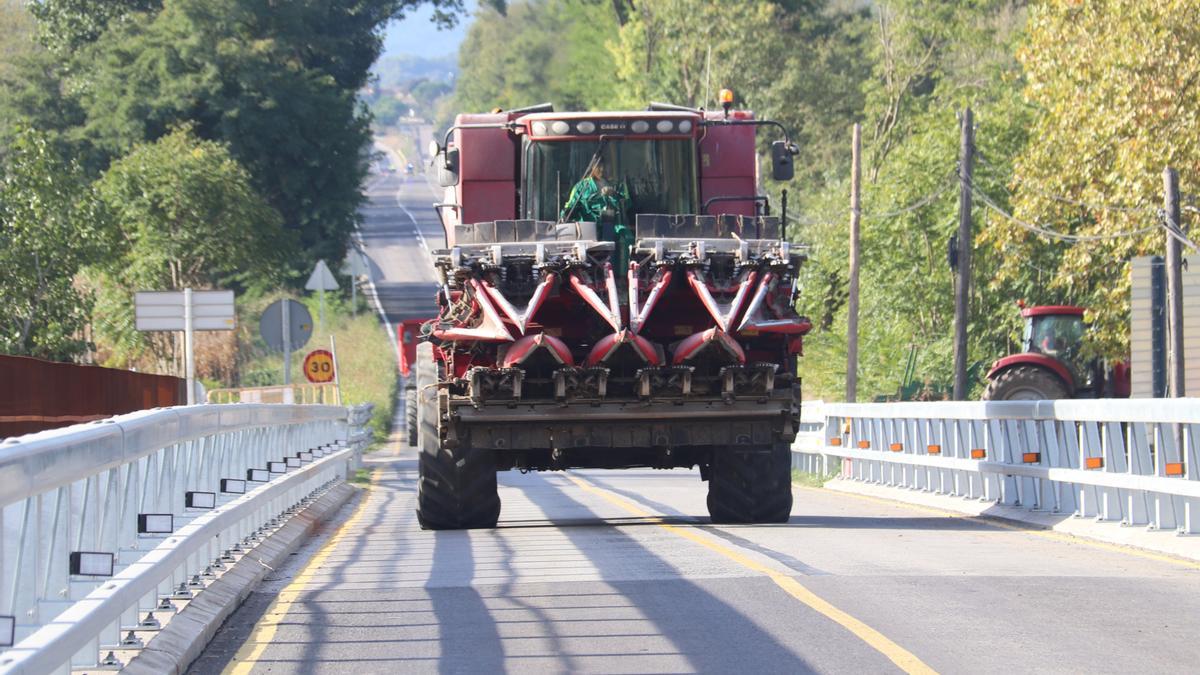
(37, 394)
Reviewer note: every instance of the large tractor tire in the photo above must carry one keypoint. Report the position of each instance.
(1025, 383)
(411, 433)
(751, 485)
(456, 488)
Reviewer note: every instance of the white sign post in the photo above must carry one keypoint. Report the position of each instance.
(321, 280)
(355, 266)
(187, 311)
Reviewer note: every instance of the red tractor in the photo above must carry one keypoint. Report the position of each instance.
(614, 294)
(1050, 366)
(408, 333)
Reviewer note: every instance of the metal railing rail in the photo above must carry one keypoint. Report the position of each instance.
(1128, 461)
(111, 527)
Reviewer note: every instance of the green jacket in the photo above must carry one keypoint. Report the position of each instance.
(588, 202)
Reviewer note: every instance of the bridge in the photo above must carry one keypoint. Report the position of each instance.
(1003, 537)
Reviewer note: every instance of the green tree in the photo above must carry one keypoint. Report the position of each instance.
(539, 50)
(1117, 83)
(189, 217)
(52, 224)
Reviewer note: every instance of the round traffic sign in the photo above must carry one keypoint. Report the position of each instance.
(318, 366)
(299, 329)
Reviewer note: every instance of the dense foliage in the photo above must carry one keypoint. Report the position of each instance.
(1073, 101)
(268, 95)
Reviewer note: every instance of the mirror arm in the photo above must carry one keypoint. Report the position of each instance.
(787, 137)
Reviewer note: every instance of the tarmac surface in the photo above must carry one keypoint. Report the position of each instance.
(614, 572)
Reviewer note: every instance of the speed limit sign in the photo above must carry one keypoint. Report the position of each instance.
(318, 366)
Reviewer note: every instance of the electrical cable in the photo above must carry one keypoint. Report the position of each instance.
(947, 182)
(987, 201)
(1065, 200)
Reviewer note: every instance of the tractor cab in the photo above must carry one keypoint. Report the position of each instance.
(1056, 332)
(1051, 365)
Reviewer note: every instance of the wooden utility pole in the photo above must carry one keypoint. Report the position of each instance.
(1174, 286)
(852, 319)
(962, 289)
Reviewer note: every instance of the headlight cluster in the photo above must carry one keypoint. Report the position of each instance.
(590, 127)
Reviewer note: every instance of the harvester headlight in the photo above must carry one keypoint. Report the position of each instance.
(539, 128)
(560, 128)
(685, 126)
(664, 126)
(585, 127)
(640, 127)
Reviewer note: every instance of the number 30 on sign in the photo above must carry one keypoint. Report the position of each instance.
(318, 366)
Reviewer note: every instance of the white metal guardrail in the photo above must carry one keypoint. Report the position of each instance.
(1132, 461)
(109, 528)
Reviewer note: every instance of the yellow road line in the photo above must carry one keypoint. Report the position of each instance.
(904, 659)
(256, 644)
(1033, 530)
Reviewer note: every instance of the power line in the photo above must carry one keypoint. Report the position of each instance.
(920, 203)
(987, 201)
(1067, 200)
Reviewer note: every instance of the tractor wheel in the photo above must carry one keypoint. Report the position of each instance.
(1025, 383)
(411, 433)
(456, 488)
(752, 485)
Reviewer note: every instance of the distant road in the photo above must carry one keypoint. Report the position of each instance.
(399, 227)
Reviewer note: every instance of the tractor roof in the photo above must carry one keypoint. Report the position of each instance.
(1050, 310)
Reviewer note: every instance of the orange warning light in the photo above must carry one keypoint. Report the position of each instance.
(726, 96)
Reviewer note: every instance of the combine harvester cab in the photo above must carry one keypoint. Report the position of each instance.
(652, 326)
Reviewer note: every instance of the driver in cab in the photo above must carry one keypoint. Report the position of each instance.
(598, 199)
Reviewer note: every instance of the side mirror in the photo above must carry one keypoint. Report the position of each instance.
(434, 149)
(448, 169)
(782, 165)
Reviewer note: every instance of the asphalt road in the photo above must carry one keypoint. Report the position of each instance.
(594, 571)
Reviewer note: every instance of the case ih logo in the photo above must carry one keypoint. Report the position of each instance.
(612, 126)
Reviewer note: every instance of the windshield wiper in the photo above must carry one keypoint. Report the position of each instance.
(587, 172)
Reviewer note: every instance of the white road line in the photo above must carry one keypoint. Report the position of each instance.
(374, 298)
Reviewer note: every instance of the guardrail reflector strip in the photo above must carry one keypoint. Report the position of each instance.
(1174, 468)
(864, 444)
(835, 441)
(978, 453)
(1093, 462)
(1031, 457)
(897, 447)
(935, 449)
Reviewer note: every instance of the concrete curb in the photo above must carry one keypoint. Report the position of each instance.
(1159, 541)
(184, 638)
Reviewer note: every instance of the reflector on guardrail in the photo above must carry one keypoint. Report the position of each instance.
(897, 447)
(1174, 468)
(835, 441)
(934, 449)
(978, 453)
(865, 445)
(1031, 457)
(1093, 462)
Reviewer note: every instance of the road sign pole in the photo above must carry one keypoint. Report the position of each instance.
(337, 371)
(321, 311)
(287, 342)
(189, 351)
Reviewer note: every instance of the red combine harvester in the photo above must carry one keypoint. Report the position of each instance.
(1049, 365)
(614, 294)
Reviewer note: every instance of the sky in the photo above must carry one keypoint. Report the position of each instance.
(418, 36)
